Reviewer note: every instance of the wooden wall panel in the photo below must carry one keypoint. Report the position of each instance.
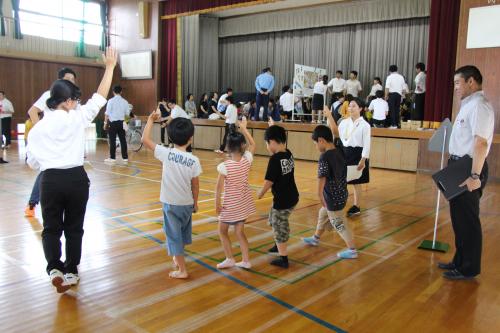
(124, 29)
(258, 135)
(486, 59)
(301, 146)
(409, 155)
(25, 80)
(207, 137)
(377, 152)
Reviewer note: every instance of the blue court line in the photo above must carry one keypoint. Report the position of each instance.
(256, 290)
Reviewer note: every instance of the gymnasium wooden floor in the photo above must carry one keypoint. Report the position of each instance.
(392, 287)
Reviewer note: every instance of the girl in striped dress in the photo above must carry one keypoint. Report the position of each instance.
(238, 202)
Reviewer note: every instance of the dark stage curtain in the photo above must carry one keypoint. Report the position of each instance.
(168, 70)
(443, 34)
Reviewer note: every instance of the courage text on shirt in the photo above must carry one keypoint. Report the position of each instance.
(180, 159)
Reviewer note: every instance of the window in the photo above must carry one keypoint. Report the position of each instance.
(71, 20)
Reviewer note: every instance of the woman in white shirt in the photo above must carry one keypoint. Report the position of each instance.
(355, 133)
(318, 101)
(56, 147)
(231, 118)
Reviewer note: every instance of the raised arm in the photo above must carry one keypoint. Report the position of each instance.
(146, 136)
(331, 121)
(248, 136)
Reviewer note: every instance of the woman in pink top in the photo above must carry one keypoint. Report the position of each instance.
(238, 202)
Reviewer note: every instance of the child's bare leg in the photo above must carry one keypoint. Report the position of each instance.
(282, 249)
(225, 240)
(181, 273)
(242, 239)
(340, 225)
(357, 195)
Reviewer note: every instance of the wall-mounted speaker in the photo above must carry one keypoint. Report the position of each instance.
(144, 13)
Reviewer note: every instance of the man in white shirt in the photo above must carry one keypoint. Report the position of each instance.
(337, 84)
(175, 111)
(380, 109)
(472, 135)
(6, 111)
(231, 119)
(116, 111)
(353, 86)
(419, 91)
(222, 103)
(394, 86)
(39, 108)
(286, 102)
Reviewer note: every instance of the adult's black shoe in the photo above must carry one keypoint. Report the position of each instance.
(446, 266)
(2, 161)
(456, 275)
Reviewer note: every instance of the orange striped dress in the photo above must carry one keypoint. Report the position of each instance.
(238, 202)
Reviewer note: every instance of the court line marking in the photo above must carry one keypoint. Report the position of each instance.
(257, 291)
(343, 282)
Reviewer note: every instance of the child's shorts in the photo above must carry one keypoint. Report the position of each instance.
(178, 226)
(278, 220)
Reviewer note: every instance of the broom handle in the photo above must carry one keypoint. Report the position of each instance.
(439, 192)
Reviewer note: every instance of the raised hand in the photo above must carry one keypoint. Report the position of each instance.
(110, 57)
(155, 115)
(326, 111)
(243, 123)
(270, 121)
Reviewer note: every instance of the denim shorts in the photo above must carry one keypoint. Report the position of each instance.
(177, 225)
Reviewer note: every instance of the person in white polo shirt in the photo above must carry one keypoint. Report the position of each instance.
(380, 109)
(337, 84)
(471, 136)
(419, 92)
(394, 86)
(353, 86)
(231, 119)
(6, 111)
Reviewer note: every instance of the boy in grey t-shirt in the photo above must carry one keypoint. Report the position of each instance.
(179, 187)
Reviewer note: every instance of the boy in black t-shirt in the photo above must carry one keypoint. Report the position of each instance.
(280, 178)
(332, 189)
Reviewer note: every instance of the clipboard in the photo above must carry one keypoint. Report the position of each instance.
(449, 178)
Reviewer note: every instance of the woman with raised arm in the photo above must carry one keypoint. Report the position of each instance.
(56, 148)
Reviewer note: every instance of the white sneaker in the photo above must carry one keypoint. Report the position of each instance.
(57, 279)
(228, 263)
(393, 127)
(244, 264)
(72, 279)
(110, 161)
(125, 161)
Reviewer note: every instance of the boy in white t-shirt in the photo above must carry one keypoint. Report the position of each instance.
(380, 109)
(179, 187)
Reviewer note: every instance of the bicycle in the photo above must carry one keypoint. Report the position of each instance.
(134, 135)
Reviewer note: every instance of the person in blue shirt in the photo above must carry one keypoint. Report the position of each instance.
(264, 84)
(116, 111)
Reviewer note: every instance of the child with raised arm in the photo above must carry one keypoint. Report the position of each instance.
(332, 188)
(238, 202)
(281, 180)
(179, 186)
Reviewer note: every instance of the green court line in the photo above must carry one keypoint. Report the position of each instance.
(364, 247)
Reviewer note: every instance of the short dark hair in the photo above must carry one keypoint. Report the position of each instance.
(62, 90)
(235, 142)
(339, 95)
(117, 89)
(322, 131)
(340, 72)
(376, 78)
(229, 89)
(470, 71)
(65, 70)
(420, 66)
(2, 92)
(379, 93)
(212, 94)
(393, 68)
(171, 101)
(349, 97)
(354, 72)
(285, 88)
(180, 130)
(325, 79)
(275, 133)
(230, 99)
(267, 69)
(358, 101)
(188, 95)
